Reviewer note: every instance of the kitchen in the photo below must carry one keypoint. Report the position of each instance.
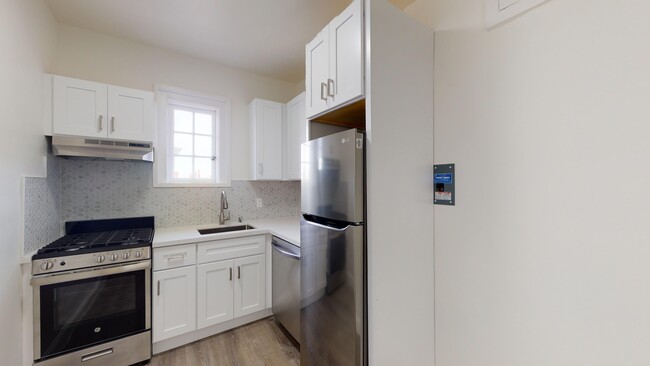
(561, 87)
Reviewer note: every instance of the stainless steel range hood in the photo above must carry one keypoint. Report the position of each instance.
(93, 148)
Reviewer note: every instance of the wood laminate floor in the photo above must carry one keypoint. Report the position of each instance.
(261, 343)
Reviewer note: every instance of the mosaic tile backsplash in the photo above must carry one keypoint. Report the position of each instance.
(106, 189)
(43, 207)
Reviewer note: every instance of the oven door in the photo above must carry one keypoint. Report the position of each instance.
(84, 308)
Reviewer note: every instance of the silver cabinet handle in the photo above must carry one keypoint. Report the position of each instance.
(330, 91)
(260, 169)
(175, 257)
(112, 124)
(101, 123)
(238, 272)
(158, 292)
(230, 273)
(323, 91)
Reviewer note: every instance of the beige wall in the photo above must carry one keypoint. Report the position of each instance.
(92, 56)
(399, 159)
(545, 258)
(27, 36)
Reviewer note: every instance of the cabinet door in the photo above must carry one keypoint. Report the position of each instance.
(317, 73)
(79, 108)
(296, 135)
(346, 55)
(174, 302)
(214, 293)
(266, 126)
(130, 114)
(250, 286)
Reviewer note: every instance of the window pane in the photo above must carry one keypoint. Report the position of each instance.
(182, 121)
(182, 144)
(182, 167)
(203, 168)
(203, 123)
(203, 145)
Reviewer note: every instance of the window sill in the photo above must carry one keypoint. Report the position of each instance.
(192, 185)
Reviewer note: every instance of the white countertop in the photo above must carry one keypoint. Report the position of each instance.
(287, 228)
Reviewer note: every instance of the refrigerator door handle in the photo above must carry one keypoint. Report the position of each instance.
(326, 227)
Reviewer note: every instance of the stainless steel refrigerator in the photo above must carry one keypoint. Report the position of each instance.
(333, 255)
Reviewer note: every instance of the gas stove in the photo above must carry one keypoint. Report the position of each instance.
(92, 294)
(96, 242)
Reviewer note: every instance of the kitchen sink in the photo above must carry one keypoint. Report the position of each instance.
(225, 229)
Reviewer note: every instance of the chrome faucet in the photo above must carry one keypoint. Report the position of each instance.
(224, 207)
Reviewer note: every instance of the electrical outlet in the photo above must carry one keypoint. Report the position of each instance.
(259, 203)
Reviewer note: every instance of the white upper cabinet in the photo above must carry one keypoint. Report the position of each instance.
(130, 114)
(277, 131)
(295, 136)
(266, 139)
(334, 62)
(79, 107)
(317, 73)
(346, 60)
(90, 109)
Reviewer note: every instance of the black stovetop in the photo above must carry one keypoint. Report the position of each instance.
(100, 235)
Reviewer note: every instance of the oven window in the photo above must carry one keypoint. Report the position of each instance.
(81, 313)
(115, 296)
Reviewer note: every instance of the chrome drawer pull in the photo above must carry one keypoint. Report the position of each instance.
(95, 355)
(175, 257)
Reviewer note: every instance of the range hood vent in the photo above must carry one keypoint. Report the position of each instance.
(91, 148)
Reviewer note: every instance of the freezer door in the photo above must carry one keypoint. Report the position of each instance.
(333, 176)
(332, 295)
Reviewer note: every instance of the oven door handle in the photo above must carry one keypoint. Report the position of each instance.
(89, 273)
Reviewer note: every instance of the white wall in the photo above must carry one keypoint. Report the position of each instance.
(93, 56)
(27, 37)
(545, 260)
(399, 88)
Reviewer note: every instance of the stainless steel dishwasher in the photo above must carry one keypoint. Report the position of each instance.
(286, 286)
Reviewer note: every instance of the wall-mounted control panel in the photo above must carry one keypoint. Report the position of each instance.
(444, 180)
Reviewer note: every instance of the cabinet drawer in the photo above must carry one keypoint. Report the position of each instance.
(219, 250)
(174, 256)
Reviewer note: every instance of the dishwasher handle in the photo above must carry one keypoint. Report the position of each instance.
(285, 252)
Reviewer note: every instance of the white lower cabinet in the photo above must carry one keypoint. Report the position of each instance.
(250, 287)
(174, 302)
(230, 289)
(215, 293)
(203, 292)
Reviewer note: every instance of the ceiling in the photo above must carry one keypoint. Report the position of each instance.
(266, 37)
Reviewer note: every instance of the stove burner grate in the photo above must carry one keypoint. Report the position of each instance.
(98, 240)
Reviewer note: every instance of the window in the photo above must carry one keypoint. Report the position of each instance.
(193, 145)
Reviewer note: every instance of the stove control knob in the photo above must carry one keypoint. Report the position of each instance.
(47, 265)
(113, 257)
(138, 254)
(126, 255)
(100, 258)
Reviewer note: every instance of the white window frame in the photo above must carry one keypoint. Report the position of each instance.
(166, 97)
